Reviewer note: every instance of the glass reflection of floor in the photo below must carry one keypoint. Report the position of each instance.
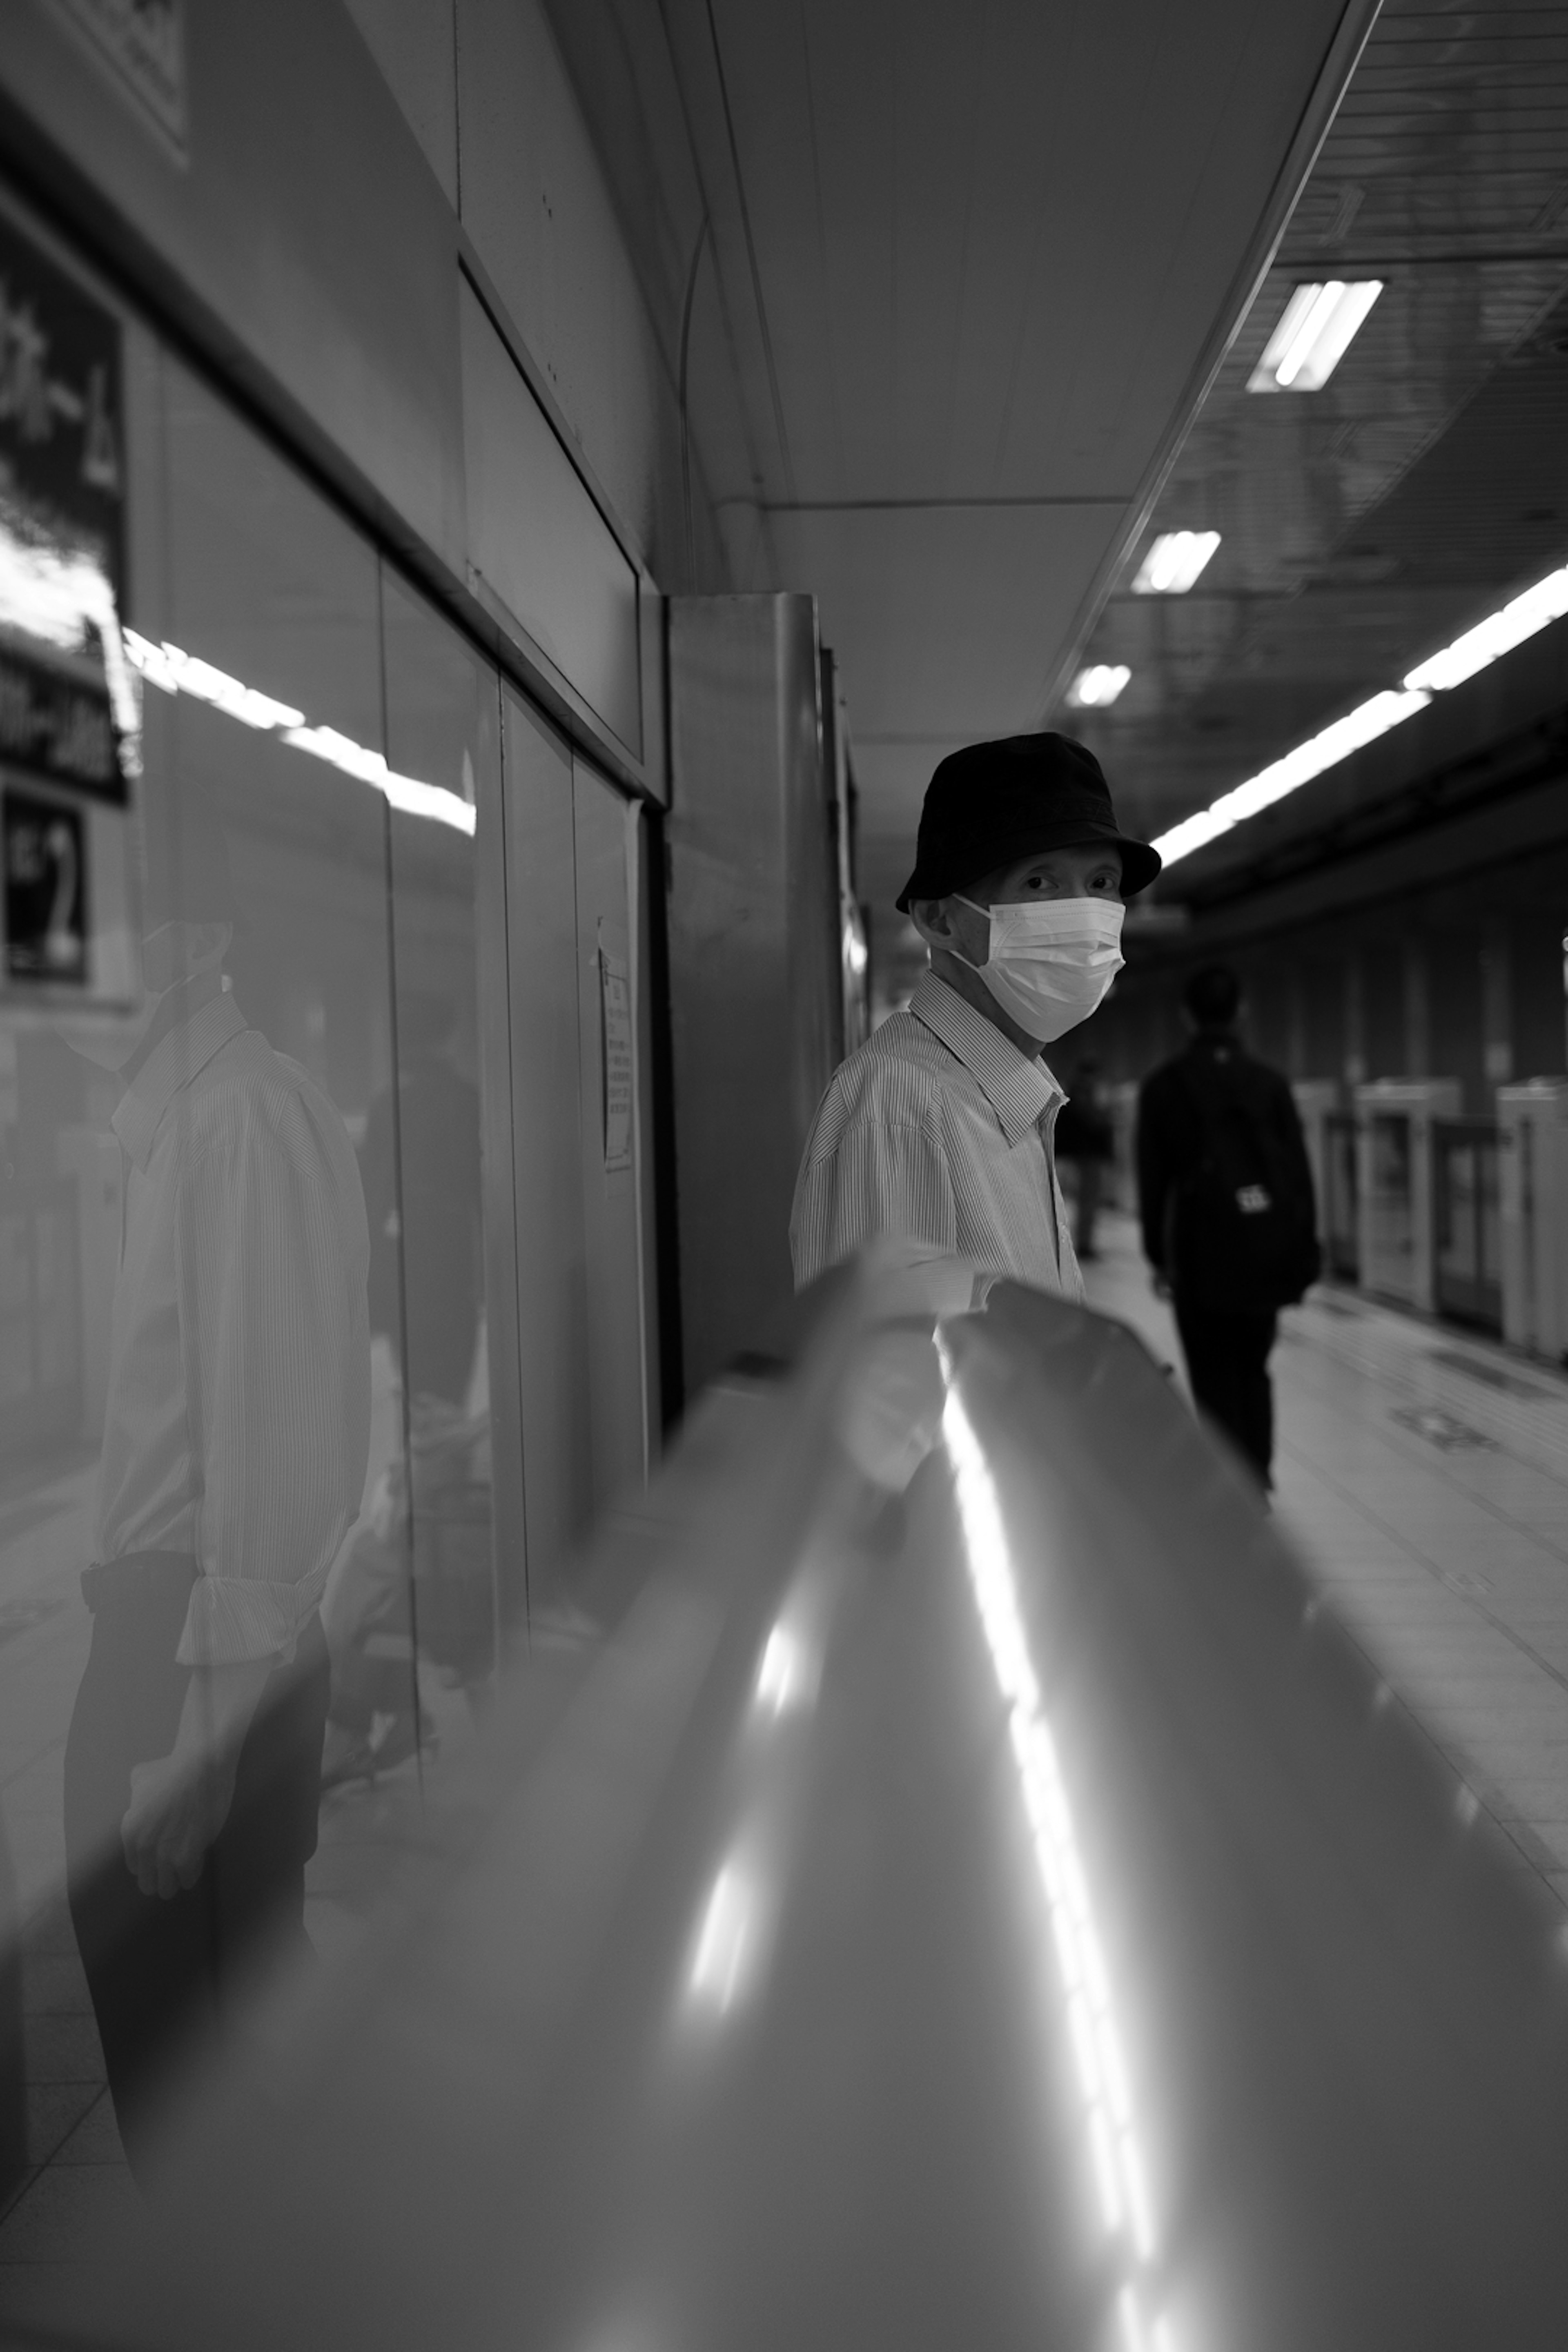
(77, 2180)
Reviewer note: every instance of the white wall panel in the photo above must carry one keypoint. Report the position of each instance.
(535, 203)
(304, 225)
(541, 927)
(415, 43)
(538, 539)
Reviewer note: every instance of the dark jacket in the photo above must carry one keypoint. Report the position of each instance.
(1175, 1106)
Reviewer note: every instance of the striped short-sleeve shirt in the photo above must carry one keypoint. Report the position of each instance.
(937, 1131)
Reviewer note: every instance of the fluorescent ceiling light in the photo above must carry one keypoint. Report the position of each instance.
(1174, 563)
(176, 672)
(1097, 689)
(1547, 600)
(1313, 335)
(1363, 725)
(1508, 626)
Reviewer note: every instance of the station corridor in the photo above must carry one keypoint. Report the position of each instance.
(1424, 1475)
(664, 664)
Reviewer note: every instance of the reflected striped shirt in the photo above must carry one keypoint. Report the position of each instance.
(237, 1423)
(938, 1130)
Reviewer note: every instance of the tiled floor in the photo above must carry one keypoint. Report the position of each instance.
(1424, 1475)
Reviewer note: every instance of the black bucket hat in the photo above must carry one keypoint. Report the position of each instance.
(994, 802)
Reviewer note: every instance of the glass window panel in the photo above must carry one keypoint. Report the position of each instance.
(248, 1259)
(60, 1182)
(416, 1608)
(184, 1250)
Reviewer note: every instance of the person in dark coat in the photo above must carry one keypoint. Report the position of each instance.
(1225, 1201)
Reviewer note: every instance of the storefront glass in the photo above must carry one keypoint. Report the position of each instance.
(254, 1222)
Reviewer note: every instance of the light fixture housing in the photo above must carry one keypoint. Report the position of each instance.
(1097, 687)
(1174, 563)
(1315, 330)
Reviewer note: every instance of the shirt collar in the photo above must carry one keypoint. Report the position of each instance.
(170, 1066)
(1019, 1088)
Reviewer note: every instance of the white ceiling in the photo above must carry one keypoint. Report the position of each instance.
(973, 264)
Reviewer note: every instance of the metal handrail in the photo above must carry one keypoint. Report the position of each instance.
(946, 1879)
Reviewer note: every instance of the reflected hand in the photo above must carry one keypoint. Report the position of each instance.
(179, 1802)
(175, 1813)
(1159, 1284)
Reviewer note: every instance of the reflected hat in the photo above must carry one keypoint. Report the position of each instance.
(992, 804)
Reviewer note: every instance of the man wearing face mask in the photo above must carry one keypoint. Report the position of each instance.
(235, 1442)
(938, 1130)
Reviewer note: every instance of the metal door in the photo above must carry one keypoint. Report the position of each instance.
(1467, 1240)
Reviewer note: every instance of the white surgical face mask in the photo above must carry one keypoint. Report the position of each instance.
(1051, 960)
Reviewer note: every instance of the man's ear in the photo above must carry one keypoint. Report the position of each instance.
(932, 918)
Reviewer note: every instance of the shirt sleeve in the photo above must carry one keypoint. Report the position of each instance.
(879, 1178)
(263, 1294)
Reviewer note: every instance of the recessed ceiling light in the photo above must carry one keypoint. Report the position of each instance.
(1313, 335)
(1098, 688)
(1174, 563)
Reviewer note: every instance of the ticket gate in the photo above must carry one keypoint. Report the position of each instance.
(1532, 1120)
(1395, 1185)
(1317, 1102)
(1340, 1209)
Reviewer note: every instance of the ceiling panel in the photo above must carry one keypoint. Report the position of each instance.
(972, 264)
(990, 240)
(968, 262)
(952, 614)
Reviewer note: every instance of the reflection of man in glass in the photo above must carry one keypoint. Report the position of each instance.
(234, 1456)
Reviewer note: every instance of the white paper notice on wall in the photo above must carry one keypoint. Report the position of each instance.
(616, 998)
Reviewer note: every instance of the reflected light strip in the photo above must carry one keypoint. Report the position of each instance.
(722, 1941)
(784, 1677)
(1114, 2152)
(165, 666)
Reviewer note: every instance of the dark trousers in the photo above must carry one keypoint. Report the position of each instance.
(162, 1972)
(1227, 1366)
